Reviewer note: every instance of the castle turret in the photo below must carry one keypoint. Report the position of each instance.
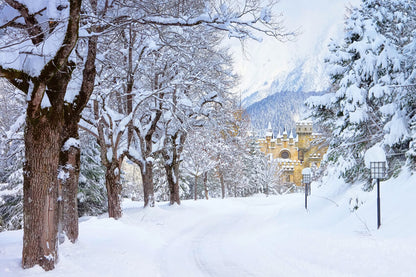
(304, 133)
(269, 132)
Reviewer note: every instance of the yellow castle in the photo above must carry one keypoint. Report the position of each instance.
(294, 153)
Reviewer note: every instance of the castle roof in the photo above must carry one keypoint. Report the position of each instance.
(304, 122)
(269, 132)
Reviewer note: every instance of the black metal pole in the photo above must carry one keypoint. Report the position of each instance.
(306, 196)
(378, 204)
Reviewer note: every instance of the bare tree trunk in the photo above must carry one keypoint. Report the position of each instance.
(205, 185)
(267, 189)
(43, 142)
(172, 162)
(148, 188)
(196, 187)
(113, 185)
(69, 164)
(69, 161)
(172, 174)
(40, 206)
(222, 185)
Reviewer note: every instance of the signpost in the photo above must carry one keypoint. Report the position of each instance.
(378, 171)
(307, 176)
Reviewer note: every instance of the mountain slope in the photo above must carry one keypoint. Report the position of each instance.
(281, 109)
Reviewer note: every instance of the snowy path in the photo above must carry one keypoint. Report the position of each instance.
(264, 237)
(202, 250)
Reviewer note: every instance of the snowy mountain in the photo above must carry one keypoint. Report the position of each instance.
(280, 99)
(305, 72)
(308, 75)
(271, 67)
(281, 109)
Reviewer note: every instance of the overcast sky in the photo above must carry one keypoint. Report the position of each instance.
(318, 20)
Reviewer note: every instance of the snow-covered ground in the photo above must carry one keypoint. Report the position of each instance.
(256, 236)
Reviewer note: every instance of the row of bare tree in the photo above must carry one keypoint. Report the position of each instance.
(136, 74)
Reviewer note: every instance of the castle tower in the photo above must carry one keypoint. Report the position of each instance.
(304, 132)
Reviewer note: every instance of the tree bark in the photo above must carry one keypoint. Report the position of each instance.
(172, 162)
(69, 164)
(113, 185)
(222, 185)
(40, 186)
(43, 142)
(70, 161)
(205, 185)
(148, 188)
(172, 174)
(196, 188)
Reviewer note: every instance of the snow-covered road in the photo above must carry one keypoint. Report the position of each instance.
(276, 237)
(259, 236)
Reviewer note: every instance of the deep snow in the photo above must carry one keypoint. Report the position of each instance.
(258, 236)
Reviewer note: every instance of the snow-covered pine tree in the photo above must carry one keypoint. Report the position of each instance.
(11, 157)
(254, 166)
(92, 195)
(407, 97)
(366, 70)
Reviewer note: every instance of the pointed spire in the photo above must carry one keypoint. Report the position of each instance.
(269, 132)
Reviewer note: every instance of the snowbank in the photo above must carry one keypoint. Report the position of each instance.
(259, 236)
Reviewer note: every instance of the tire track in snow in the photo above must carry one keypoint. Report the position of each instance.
(202, 249)
(210, 249)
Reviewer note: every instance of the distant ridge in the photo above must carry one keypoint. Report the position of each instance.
(281, 109)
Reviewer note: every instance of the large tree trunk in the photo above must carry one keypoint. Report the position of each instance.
(113, 185)
(69, 176)
(172, 174)
(148, 189)
(40, 206)
(43, 142)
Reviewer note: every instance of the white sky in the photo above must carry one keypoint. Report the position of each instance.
(318, 20)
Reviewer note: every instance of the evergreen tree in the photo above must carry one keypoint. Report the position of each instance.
(11, 157)
(92, 195)
(365, 105)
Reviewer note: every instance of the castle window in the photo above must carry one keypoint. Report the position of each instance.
(285, 154)
(301, 155)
